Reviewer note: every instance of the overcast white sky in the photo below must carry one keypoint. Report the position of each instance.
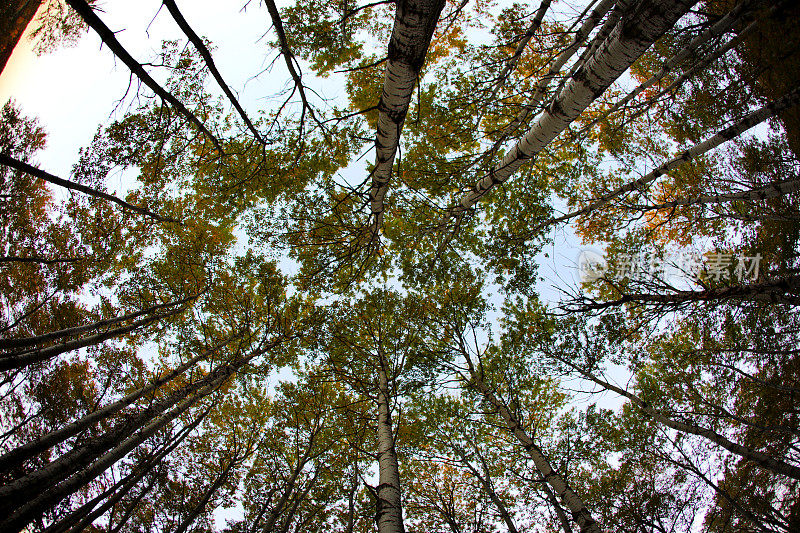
(75, 89)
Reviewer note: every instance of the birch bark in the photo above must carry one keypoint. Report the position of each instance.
(21, 342)
(414, 24)
(14, 457)
(9, 360)
(748, 121)
(636, 31)
(772, 190)
(67, 474)
(80, 519)
(555, 67)
(763, 460)
(389, 507)
(580, 513)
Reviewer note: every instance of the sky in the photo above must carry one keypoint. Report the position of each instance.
(74, 89)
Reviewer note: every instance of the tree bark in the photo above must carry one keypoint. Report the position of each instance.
(291, 484)
(18, 455)
(74, 469)
(414, 24)
(761, 459)
(742, 125)
(21, 342)
(573, 502)
(389, 516)
(718, 29)
(80, 519)
(15, 15)
(71, 185)
(771, 190)
(37, 502)
(554, 69)
(636, 31)
(10, 360)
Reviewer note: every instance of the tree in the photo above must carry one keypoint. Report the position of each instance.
(265, 325)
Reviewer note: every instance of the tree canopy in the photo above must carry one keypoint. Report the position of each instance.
(330, 313)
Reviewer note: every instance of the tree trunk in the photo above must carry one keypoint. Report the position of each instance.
(80, 519)
(761, 459)
(488, 488)
(554, 69)
(15, 457)
(580, 513)
(772, 190)
(636, 31)
(22, 342)
(414, 24)
(718, 29)
(209, 493)
(291, 484)
(523, 43)
(10, 360)
(782, 290)
(64, 476)
(15, 15)
(734, 130)
(389, 514)
(38, 502)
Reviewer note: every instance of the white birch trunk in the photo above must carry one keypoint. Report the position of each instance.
(763, 460)
(21, 453)
(573, 502)
(414, 24)
(635, 33)
(772, 190)
(20, 516)
(748, 121)
(389, 505)
(555, 67)
(697, 67)
(719, 28)
(488, 488)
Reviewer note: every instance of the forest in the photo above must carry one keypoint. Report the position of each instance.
(312, 313)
